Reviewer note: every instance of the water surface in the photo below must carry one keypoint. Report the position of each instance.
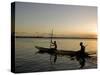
(27, 60)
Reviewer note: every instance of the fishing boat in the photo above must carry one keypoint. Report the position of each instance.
(70, 53)
(51, 50)
(73, 54)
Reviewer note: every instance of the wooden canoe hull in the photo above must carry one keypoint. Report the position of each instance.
(60, 52)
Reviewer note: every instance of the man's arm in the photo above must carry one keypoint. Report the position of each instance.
(52, 44)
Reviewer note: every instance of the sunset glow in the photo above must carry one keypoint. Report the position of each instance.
(64, 20)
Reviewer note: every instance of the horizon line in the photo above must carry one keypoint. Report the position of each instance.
(55, 37)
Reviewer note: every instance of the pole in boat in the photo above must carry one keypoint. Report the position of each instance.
(51, 38)
(50, 44)
(55, 55)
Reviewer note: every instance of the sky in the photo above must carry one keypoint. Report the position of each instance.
(68, 20)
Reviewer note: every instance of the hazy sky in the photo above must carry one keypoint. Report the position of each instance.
(64, 19)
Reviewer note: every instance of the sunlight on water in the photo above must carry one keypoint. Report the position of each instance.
(65, 44)
(27, 60)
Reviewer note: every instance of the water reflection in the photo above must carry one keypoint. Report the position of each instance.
(28, 58)
(80, 55)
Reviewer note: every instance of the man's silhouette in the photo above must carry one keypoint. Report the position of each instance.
(54, 44)
(81, 55)
(82, 47)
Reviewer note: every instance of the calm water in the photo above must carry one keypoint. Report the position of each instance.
(28, 61)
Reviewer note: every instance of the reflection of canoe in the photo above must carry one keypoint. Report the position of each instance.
(59, 52)
(78, 55)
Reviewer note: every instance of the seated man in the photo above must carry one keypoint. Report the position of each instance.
(54, 44)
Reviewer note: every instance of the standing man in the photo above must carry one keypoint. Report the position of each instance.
(82, 47)
(81, 55)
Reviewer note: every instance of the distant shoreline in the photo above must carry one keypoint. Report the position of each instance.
(53, 37)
